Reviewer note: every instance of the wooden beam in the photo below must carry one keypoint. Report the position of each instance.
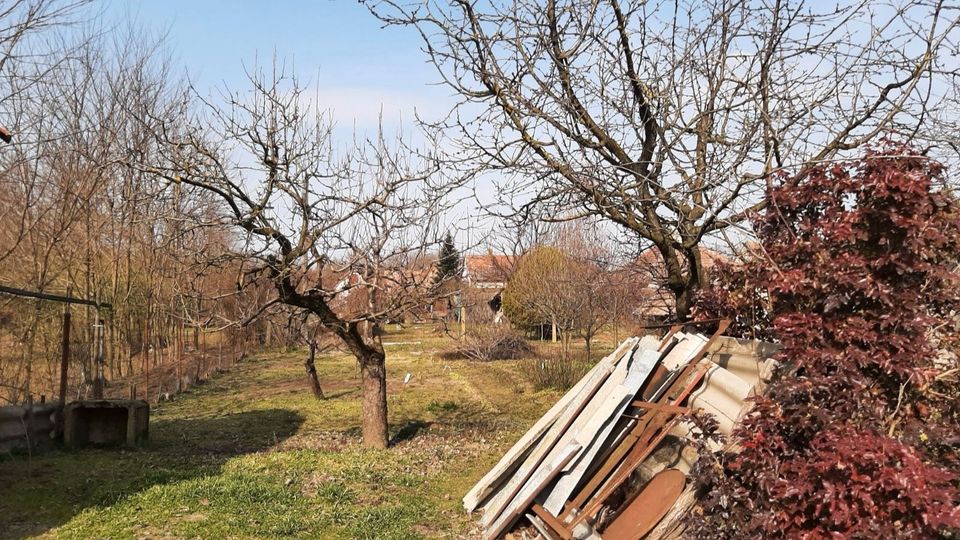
(660, 407)
(597, 423)
(556, 526)
(506, 470)
(534, 486)
(658, 430)
(614, 455)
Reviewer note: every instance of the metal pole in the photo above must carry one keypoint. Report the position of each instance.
(64, 365)
(65, 355)
(98, 381)
(55, 297)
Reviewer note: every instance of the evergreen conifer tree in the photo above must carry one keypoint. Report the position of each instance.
(449, 263)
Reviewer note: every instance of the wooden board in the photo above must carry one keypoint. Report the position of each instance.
(595, 433)
(554, 442)
(653, 433)
(501, 498)
(534, 485)
(511, 459)
(680, 353)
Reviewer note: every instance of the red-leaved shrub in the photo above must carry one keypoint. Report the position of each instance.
(860, 438)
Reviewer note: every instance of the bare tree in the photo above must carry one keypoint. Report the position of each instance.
(26, 60)
(566, 280)
(77, 219)
(595, 281)
(335, 233)
(670, 118)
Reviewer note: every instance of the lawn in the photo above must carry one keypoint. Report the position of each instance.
(251, 454)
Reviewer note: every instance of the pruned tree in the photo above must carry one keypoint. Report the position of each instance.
(669, 118)
(542, 293)
(596, 283)
(335, 234)
(569, 282)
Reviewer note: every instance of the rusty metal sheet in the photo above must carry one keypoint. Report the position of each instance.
(643, 513)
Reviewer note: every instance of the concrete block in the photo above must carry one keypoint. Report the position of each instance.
(106, 422)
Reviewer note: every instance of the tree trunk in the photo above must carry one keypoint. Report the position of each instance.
(683, 278)
(312, 372)
(178, 343)
(373, 371)
(684, 300)
(369, 354)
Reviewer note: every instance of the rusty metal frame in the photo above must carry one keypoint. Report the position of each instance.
(666, 338)
(641, 448)
(640, 435)
(552, 523)
(681, 324)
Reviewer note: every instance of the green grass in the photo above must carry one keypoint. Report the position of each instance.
(251, 454)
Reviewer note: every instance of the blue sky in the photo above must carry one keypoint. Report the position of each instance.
(355, 65)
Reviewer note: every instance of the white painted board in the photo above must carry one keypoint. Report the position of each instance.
(592, 436)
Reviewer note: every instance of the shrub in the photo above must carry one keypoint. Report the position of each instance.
(553, 373)
(854, 444)
(488, 343)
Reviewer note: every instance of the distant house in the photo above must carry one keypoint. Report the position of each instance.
(484, 278)
(400, 291)
(488, 271)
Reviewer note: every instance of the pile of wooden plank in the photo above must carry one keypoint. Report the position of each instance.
(609, 459)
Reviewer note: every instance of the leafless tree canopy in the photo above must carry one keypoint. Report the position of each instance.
(669, 118)
(79, 102)
(337, 233)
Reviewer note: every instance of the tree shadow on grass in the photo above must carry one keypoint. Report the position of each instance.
(341, 393)
(408, 430)
(47, 490)
(450, 418)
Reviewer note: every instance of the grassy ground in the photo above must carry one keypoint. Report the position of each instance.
(251, 454)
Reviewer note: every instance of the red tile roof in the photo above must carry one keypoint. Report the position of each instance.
(488, 268)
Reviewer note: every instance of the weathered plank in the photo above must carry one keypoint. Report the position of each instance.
(689, 347)
(653, 433)
(556, 438)
(592, 435)
(511, 459)
(534, 485)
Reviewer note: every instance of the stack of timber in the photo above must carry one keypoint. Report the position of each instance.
(610, 459)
